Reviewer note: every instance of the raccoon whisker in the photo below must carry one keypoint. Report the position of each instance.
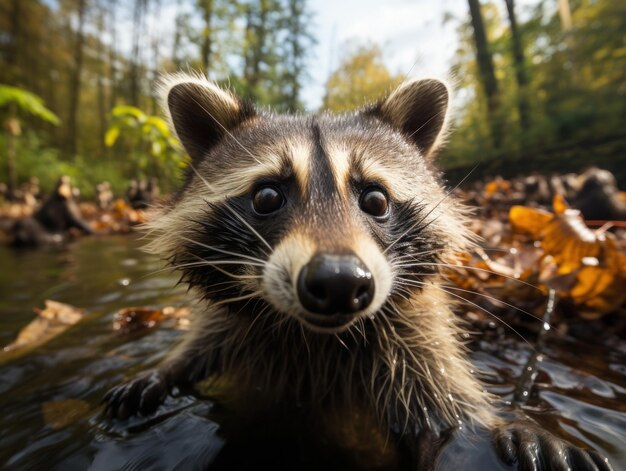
(226, 130)
(202, 263)
(235, 262)
(227, 273)
(261, 313)
(238, 298)
(493, 298)
(227, 252)
(210, 263)
(306, 342)
(341, 342)
(233, 211)
(478, 307)
(360, 327)
(415, 256)
(457, 267)
(427, 121)
(353, 335)
(417, 223)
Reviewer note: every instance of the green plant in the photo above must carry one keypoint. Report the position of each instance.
(15, 101)
(154, 151)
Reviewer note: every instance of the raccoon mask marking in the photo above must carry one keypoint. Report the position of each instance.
(312, 217)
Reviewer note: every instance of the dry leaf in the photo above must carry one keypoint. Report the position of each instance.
(59, 414)
(54, 319)
(133, 319)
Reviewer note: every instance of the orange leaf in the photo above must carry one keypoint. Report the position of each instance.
(559, 205)
(529, 220)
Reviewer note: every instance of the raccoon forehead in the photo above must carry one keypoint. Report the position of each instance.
(381, 156)
(242, 165)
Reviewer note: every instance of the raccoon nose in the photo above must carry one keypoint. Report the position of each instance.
(335, 284)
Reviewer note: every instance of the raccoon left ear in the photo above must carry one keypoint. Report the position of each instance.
(418, 109)
(201, 112)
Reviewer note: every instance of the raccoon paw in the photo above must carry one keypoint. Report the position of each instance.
(142, 395)
(533, 449)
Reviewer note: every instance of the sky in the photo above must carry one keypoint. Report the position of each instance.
(412, 33)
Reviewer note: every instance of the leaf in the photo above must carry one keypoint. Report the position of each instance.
(26, 102)
(60, 414)
(529, 220)
(111, 136)
(134, 319)
(559, 205)
(51, 321)
(128, 110)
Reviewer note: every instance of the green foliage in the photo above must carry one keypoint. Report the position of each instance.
(26, 102)
(575, 91)
(361, 78)
(48, 164)
(146, 140)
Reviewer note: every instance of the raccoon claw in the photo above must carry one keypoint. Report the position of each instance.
(142, 395)
(535, 450)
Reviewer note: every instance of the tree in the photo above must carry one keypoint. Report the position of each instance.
(75, 78)
(297, 43)
(207, 13)
(487, 73)
(13, 102)
(361, 77)
(517, 47)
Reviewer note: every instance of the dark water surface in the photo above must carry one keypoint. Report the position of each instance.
(580, 392)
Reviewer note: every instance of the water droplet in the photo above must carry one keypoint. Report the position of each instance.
(546, 326)
(123, 281)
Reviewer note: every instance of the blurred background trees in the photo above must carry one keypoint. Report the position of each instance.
(540, 82)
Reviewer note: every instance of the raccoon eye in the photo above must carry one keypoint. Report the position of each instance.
(267, 199)
(373, 201)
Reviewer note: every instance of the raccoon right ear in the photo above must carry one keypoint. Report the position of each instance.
(201, 112)
(418, 109)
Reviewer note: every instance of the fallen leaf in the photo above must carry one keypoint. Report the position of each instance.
(54, 319)
(133, 319)
(60, 414)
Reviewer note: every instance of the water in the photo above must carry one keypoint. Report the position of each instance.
(580, 387)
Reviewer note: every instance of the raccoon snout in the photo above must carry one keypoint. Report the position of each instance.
(335, 284)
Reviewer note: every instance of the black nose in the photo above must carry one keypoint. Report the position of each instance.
(335, 284)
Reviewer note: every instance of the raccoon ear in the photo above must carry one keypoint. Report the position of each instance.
(202, 113)
(418, 109)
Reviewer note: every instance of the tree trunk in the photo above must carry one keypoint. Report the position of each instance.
(13, 55)
(74, 98)
(487, 73)
(520, 67)
(566, 15)
(12, 129)
(135, 60)
(177, 39)
(207, 8)
(101, 60)
(113, 56)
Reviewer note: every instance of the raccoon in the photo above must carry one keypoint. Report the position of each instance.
(314, 246)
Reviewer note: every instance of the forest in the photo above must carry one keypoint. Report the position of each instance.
(538, 86)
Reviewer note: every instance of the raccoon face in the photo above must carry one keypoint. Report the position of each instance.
(326, 219)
